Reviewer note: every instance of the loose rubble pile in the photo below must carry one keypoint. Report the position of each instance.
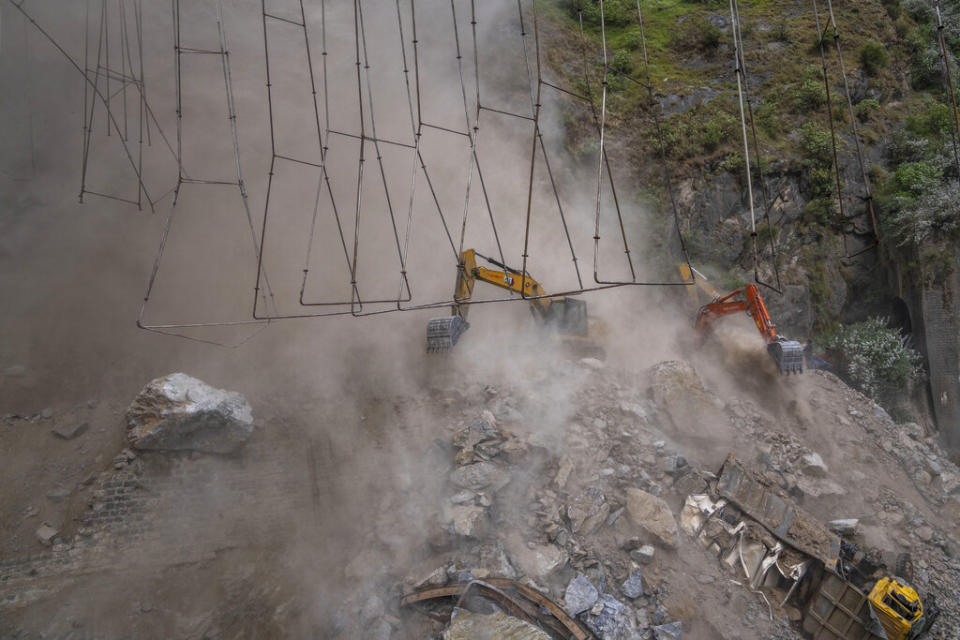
(579, 495)
(588, 513)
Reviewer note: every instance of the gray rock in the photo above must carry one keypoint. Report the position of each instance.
(482, 430)
(46, 533)
(673, 465)
(495, 559)
(653, 515)
(58, 494)
(588, 511)
(463, 497)
(633, 585)
(479, 476)
(467, 521)
(610, 619)
(913, 430)
(659, 615)
(844, 527)
(950, 482)
(436, 578)
(70, 431)
(580, 596)
(813, 465)
(669, 631)
(179, 412)
(47, 413)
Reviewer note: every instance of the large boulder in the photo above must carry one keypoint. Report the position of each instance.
(178, 412)
(688, 411)
(653, 515)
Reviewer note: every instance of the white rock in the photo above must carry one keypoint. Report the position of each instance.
(592, 363)
(643, 555)
(844, 527)
(813, 465)
(46, 533)
(179, 412)
(540, 561)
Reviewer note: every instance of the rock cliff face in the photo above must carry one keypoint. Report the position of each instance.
(829, 287)
(935, 319)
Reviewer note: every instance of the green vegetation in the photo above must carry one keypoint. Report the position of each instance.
(913, 179)
(811, 94)
(873, 57)
(717, 129)
(926, 71)
(935, 119)
(876, 359)
(866, 109)
(622, 62)
(892, 7)
(919, 203)
(616, 13)
(690, 55)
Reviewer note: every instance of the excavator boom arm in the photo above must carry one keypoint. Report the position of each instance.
(567, 314)
(510, 279)
(787, 354)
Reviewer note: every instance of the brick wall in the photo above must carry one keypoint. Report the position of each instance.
(164, 509)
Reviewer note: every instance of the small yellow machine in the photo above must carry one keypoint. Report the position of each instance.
(567, 315)
(899, 609)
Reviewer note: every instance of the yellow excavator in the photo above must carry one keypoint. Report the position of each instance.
(899, 609)
(566, 315)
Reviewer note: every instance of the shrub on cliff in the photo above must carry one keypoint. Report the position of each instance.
(876, 359)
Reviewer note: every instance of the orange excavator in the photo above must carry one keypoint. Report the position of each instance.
(788, 354)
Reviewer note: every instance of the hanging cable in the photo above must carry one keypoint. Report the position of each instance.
(667, 172)
(267, 292)
(741, 67)
(868, 195)
(821, 36)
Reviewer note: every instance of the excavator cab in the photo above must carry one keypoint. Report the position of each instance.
(567, 315)
(900, 611)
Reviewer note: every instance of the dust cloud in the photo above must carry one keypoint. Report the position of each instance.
(349, 410)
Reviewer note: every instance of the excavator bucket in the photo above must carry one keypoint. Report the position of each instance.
(788, 354)
(443, 333)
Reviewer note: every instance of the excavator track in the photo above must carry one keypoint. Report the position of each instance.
(443, 333)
